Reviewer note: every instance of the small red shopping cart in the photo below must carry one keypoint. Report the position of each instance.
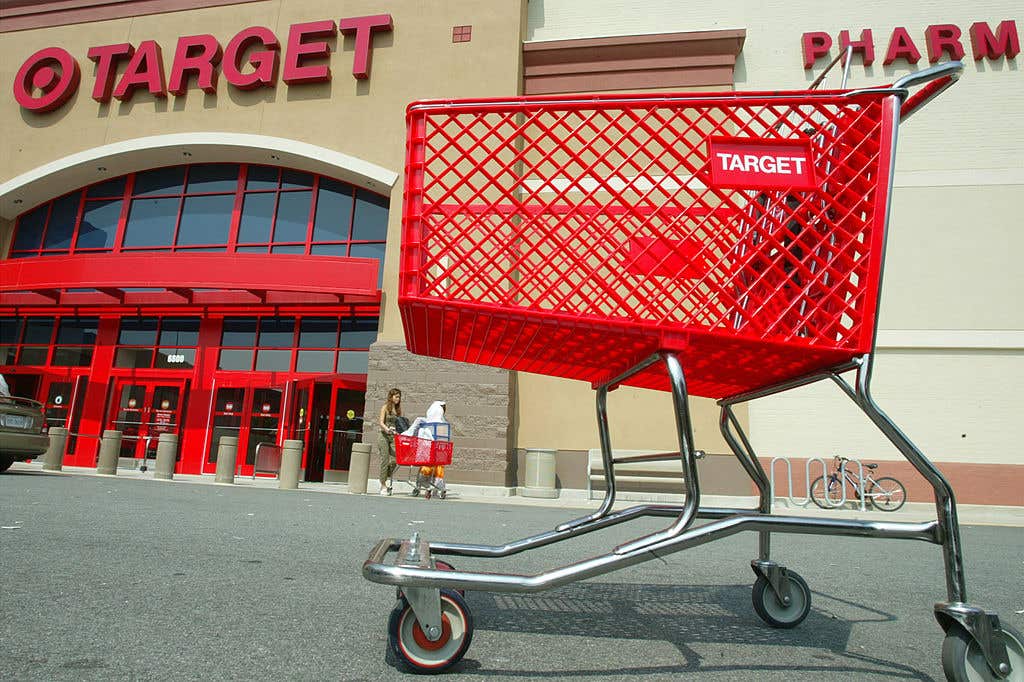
(413, 451)
(727, 245)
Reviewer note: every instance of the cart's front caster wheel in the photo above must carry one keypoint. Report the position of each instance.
(414, 652)
(771, 609)
(415, 492)
(962, 660)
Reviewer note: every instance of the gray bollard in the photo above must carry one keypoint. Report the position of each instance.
(227, 451)
(359, 468)
(110, 450)
(166, 456)
(53, 460)
(540, 474)
(291, 463)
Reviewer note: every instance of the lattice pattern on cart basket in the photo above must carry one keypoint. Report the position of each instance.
(573, 236)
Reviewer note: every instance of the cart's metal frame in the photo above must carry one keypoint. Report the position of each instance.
(420, 582)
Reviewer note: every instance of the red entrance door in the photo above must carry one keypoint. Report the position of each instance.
(142, 410)
(246, 411)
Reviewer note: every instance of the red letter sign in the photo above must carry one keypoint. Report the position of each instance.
(38, 73)
(866, 45)
(816, 45)
(943, 38)
(901, 46)
(265, 61)
(985, 44)
(146, 68)
(298, 50)
(199, 55)
(363, 28)
(105, 57)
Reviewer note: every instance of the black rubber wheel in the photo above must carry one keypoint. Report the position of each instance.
(962, 660)
(771, 609)
(887, 494)
(5, 462)
(822, 497)
(415, 653)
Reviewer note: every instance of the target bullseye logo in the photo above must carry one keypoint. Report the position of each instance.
(52, 73)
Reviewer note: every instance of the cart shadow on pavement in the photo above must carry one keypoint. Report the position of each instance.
(681, 615)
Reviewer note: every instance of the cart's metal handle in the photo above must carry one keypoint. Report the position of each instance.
(935, 80)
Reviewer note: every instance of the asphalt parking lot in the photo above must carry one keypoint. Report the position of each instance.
(128, 579)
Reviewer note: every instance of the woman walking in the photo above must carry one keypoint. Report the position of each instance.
(390, 411)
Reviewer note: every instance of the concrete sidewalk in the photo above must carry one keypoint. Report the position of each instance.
(968, 514)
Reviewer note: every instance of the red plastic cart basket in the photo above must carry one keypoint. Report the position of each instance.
(574, 236)
(413, 451)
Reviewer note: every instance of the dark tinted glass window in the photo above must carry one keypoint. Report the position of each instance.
(252, 249)
(294, 248)
(99, 224)
(239, 331)
(134, 357)
(72, 357)
(175, 358)
(371, 218)
(329, 249)
(108, 189)
(358, 332)
(179, 331)
(10, 329)
(206, 220)
(235, 360)
(77, 330)
(277, 332)
(30, 229)
(262, 177)
(257, 217)
(291, 179)
(160, 181)
(292, 217)
(137, 331)
(353, 362)
(318, 332)
(33, 355)
(39, 330)
(315, 361)
(212, 177)
(61, 227)
(333, 211)
(151, 222)
(273, 360)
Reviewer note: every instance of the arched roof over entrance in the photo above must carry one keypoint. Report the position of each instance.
(109, 161)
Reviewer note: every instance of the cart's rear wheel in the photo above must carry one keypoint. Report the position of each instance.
(417, 654)
(962, 660)
(887, 494)
(771, 609)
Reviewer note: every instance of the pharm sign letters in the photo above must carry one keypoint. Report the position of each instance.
(251, 59)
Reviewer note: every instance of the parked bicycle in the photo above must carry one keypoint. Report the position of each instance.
(885, 493)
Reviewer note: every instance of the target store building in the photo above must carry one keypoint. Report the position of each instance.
(200, 210)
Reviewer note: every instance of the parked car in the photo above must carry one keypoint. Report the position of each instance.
(22, 430)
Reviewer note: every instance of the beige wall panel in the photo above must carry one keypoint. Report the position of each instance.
(562, 414)
(953, 259)
(957, 406)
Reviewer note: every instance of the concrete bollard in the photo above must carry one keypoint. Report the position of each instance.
(227, 451)
(540, 474)
(110, 450)
(53, 460)
(359, 467)
(166, 456)
(291, 463)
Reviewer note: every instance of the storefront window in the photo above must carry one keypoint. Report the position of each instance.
(323, 345)
(177, 337)
(192, 208)
(27, 341)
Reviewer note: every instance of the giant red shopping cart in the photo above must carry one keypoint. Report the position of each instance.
(727, 245)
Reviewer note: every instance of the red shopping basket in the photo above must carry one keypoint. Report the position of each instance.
(413, 451)
(575, 236)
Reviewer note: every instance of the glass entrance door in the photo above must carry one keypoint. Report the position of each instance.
(327, 416)
(250, 413)
(143, 410)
